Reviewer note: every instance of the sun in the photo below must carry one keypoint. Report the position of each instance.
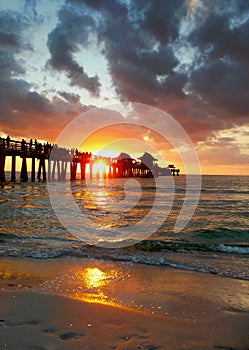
(100, 167)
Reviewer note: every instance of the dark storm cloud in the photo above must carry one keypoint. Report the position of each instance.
(135, 37)
(25, 112)
(9, 65)
(12, 40)
(9, 40)
(222, 32)
(162, 18)
(70, 97)
(141, 40)
(140, 61)
(223, 83)
(72, 31)
(11, 26)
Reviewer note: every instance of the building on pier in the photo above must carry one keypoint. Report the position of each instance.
(54, 162)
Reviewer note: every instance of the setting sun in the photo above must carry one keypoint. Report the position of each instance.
(99, 168)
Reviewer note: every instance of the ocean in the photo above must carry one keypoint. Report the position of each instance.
(215, 240)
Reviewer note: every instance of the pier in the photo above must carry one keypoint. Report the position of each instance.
(55, 162)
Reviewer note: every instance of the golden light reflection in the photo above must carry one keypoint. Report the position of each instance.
(94, 277)
(94, 282)
(96, 199)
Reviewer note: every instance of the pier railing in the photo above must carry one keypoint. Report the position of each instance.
(58, 159)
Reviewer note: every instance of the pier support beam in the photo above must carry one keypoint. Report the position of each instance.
(73, 171)
(63, 170)
(58, 170)
(24, 172)
(13, 168)
(39, 171)
(2, 165)
(83, 170)
(44, 175)
(33, 169)
(42, 169)
(49, 169)
(53, 170)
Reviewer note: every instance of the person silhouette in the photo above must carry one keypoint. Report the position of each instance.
(8, 141)
(23, 145)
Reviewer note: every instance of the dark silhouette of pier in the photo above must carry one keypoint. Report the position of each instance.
(54, 162)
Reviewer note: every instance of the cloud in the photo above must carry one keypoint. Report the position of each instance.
(141, 41)
(162, 19)
(189, 62)
(218, 80)
(72, 31)
(70, 97)
(221, 152)
(25, 112)
(223, 83)
(141, 62)
(11, 27)
(224, 31)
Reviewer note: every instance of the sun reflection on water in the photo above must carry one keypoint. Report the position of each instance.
(95, 282)
(94, 277)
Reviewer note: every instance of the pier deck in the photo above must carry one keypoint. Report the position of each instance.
(54, 161)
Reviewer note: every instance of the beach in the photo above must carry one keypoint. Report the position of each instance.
(176, 291)
(95, 304)
(124, 178)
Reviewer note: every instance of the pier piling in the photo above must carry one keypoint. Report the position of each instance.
(24, 172)
(33, 169)
(2, 165)
(13, 168)
(119, 167)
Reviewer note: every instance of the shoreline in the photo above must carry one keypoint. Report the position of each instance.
(79, 304)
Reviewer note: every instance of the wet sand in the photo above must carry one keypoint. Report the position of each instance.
(169, 309)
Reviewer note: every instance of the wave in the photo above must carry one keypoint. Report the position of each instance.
(213, 259)
(221, 232)
(232, 249)
(149, 245)
(224, 191)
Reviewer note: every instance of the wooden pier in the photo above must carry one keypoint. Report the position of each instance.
(55, 161)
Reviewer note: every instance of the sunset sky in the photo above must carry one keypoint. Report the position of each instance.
(189, 58)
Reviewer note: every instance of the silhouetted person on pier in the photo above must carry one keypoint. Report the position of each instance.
(23, 145)
(8, 141)
(30, 144)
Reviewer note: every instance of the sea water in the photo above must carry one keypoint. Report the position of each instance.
(215, 240)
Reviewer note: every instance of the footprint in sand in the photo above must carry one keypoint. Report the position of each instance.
(138, 338)
(71, 336)
(49, 330)
(20, 322)
(18, 285)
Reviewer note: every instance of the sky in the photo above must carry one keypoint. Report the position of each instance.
(188, 58)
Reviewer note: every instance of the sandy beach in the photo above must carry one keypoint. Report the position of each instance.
(72, 304)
